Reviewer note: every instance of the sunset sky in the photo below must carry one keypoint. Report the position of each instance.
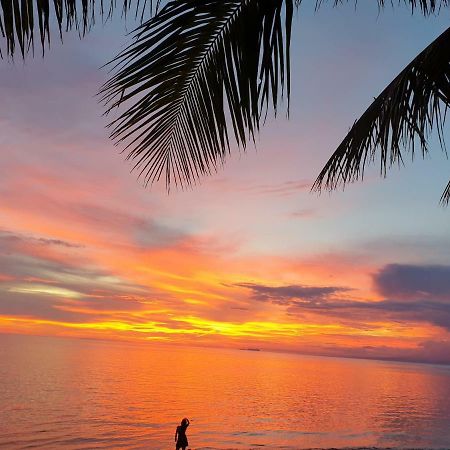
(249, 258)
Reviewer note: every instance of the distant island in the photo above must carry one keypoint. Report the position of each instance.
(251, 349)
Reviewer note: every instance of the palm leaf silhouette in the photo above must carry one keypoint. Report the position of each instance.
(194, 68)
(21, 20)
(200, 67)
(426, 7)
(401, 117)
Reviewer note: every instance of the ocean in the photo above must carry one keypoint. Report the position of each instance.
(60, 393)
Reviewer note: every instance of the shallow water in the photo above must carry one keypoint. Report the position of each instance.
(76, 394)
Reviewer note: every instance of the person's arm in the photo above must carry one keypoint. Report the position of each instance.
(187, 422)
(176, 432)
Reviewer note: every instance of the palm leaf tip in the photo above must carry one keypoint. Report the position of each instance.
(400, 119)
(194, 70)
(445, 198)
(24, 21)
(20, 22)
(426, 7)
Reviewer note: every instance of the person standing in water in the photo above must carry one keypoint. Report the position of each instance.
(180, 435)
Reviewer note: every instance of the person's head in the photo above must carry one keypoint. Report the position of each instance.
(184, 422)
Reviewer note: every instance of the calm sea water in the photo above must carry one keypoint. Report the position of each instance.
(75, 394)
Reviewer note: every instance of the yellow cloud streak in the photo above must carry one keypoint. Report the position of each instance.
(148, 327)
(259, 329)
(202, 327)
(195, 326)
(47, 290)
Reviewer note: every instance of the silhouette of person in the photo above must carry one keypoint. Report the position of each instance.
(180, 435)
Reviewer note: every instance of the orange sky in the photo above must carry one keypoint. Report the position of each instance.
(249, 258)
(75, 267)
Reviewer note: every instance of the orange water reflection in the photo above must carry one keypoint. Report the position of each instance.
(74, 394)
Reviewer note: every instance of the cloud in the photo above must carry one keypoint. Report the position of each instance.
(282, 189)
(10, 239)
(28, 269)
(144, 232)
(427, 351)
(287, 294)
(307, 213)
(103, 222)
(435, 351)
(38, 307)
(402, 281)
(37, 284)
(150, 234)
(80, 295)
(326, 301)
(436, 313)
(37, 302)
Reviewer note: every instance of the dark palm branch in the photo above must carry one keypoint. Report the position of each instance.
(401, 117)
(426, 7)
(21, 20)
(194, 68)
(202, 64)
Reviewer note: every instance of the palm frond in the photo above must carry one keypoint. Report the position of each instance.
(21, 20)
(426, 7)
(401, 117)
(193, 69)
(445, 197)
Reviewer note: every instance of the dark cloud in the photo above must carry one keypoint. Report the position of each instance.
(322, 300)
(287, 294)
(23, 266)
(9, 240)
(436, 313)
(402, 281)
(43, 306)
(435, 352)
(414, 311)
